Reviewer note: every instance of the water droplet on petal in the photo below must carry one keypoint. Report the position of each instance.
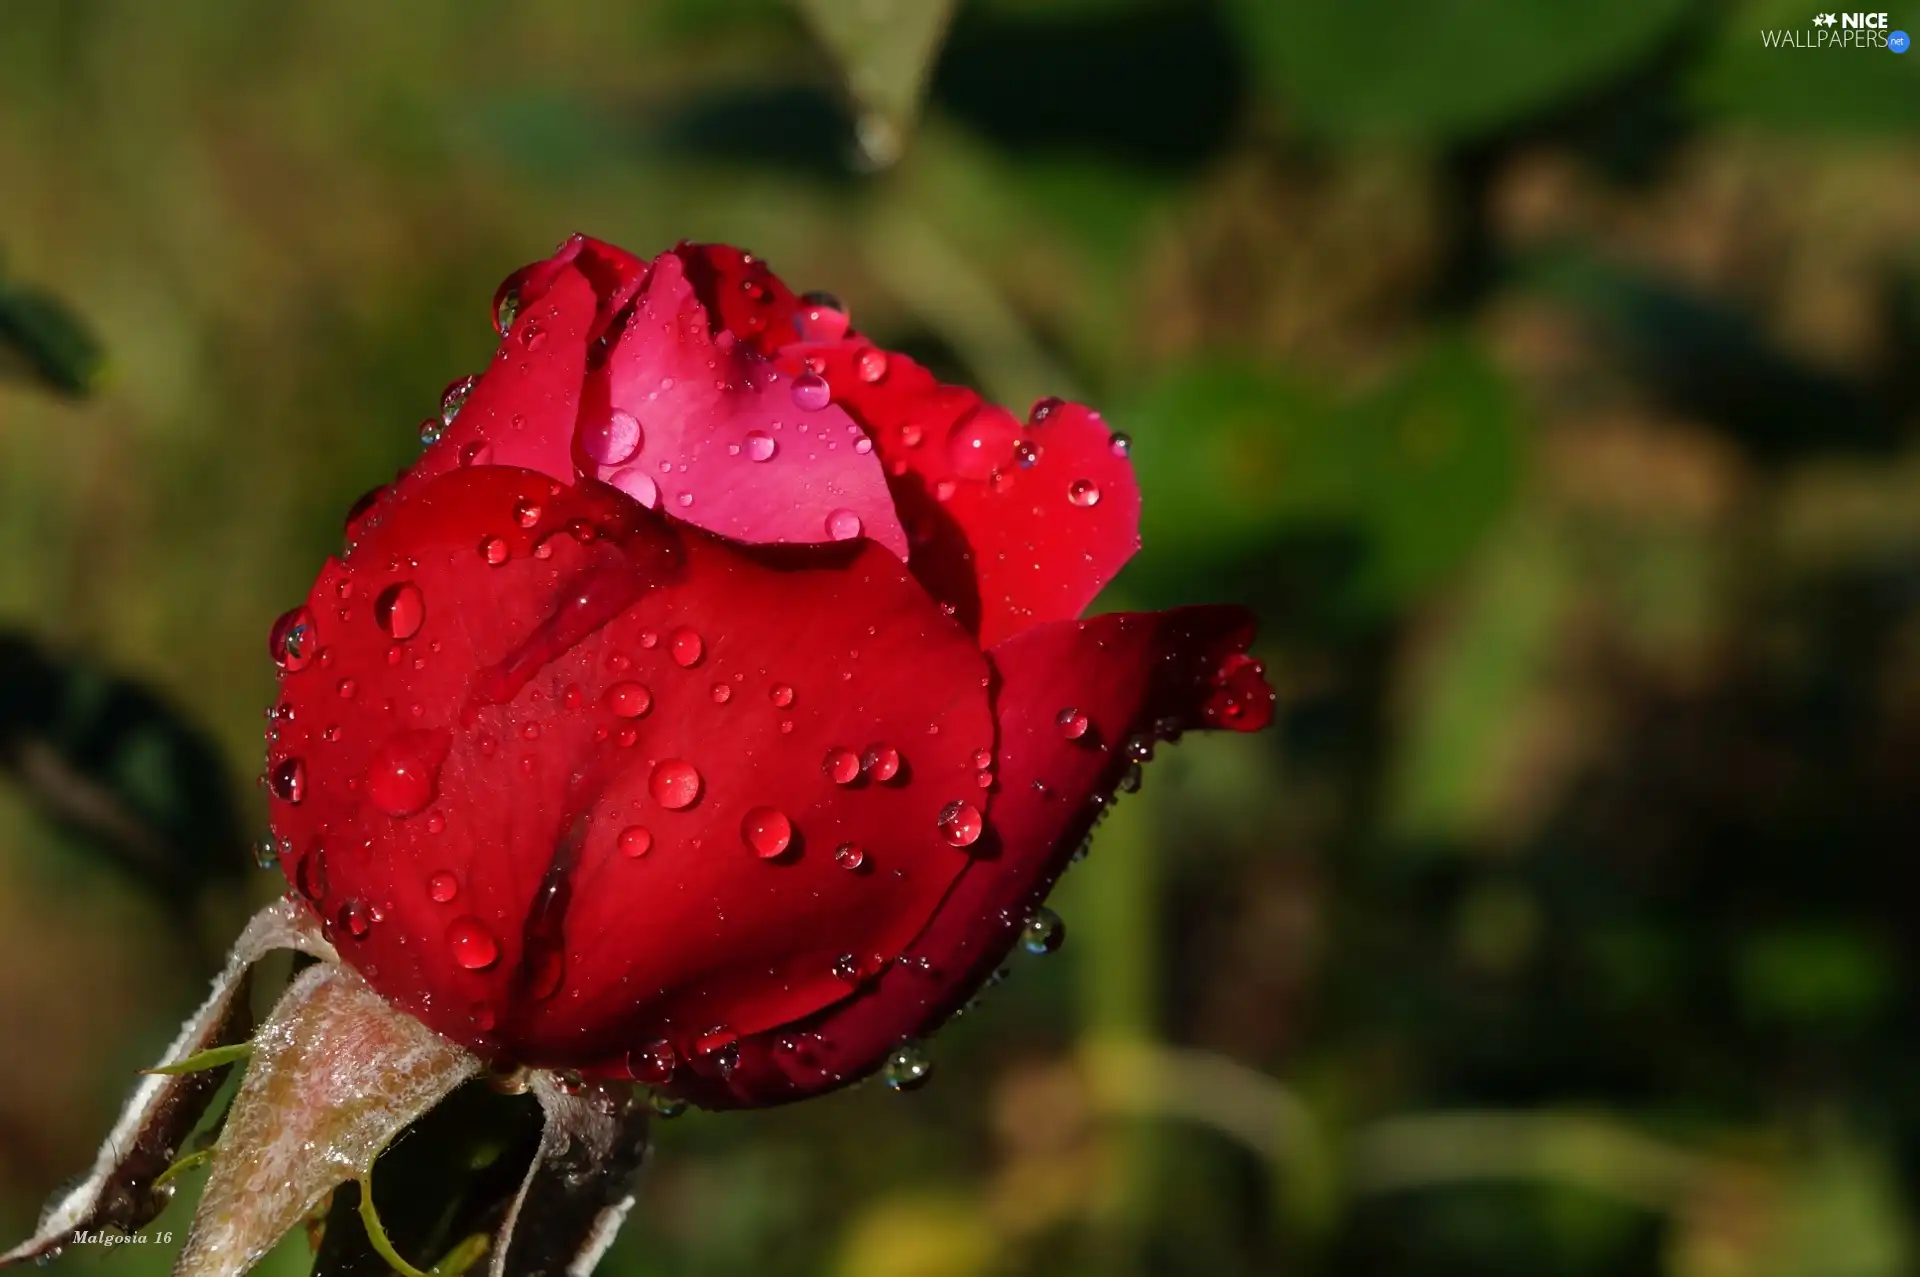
(1026, 454)
(399, 610)
(1084, 493)
(454, 397)
(653, 1064)
(842, 766)
(312, 874)
(443, 887)
(288, 781)
(843, 525)
(526, 513)
(722, 693)
(849, 856)
(1120, 445)
(635, 841)
(1043, 409)
(431, 429)
(404, 772)
(908, 1068)
(871, 364)
(292, 641)
(982, 442)
(629, 699)
(766, 831)
(612, 441)
(760, 445)
(780, 694)
(637, 484)
(982, 759)
(882, 762)
(674, 784)
(494, 550)
(353, 919)
(1043, 931)
(811, 392)
(960, 824)
(1073, 724)
(473, 945)
(686, 648)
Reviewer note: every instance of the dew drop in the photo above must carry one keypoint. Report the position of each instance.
(292, 641)
(399, 610)
(313, 874)
(811, 392)
(404, 772)
(628, 699)
(288, 781)
(766, 831)
(1026, 454)
(849, 856)
(612, 441)
(1072, 723)
(780, 694)
(686, 648)
(1043, 931)
(908, 1068)
(981, 442)
(960, 824)
(526, 513)
(820, 318)
(454, 397)
(346, 687)
(494, 550)
(473, 945)
(1044, 409)
(639, 485)
(353, 919)
(431, 428)
(882, 762)
(871, 365)
(442, 887)
(982, 759)
(842, 766)
(760, 446)
(722, 693)
(652, 1064)
(843, 525)
(1120, 445)
(635, 841)
(674, 784)
(1084, 493)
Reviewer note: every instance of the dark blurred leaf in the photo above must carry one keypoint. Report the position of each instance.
(112, 762)
(1834, 91)
(47, 341)
(1450, 69)
(1236, 461)
(885, 49)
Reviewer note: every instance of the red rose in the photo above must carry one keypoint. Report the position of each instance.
(707, 705)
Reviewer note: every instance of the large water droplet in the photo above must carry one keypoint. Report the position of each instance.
(960, 824)
(292, 641)
(820, 318)
(629, 699)
(780, 694)
(653, 1064)
(288, 781)
(431, 428)
(1083, 493)
(639, 485)
(811, 392)
(1120, 445)
(766, 831)
(843, 525)
(1073, 724)
(871, 364)
(849, 855)
(635, 841)
(404, 772)
(612, 441)
(1043, 931)
(881, 761)
(1043, 410)
(443, 886)
(400, 609)
(686, 648)
(454, 397)
(982, 442)
(494, 550)
(674, 784)
(760, 446)
(353, 919)
(473, 945)
(842, 766)
(908, 1068)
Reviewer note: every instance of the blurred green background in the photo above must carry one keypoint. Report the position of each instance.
(1540, 371)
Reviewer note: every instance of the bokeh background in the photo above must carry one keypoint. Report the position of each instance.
(1541, 372)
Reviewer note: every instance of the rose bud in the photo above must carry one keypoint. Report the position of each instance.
(709, 707)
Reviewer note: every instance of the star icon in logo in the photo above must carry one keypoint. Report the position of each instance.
(1824, 20)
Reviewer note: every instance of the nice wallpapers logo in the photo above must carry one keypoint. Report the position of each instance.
(1839, 31)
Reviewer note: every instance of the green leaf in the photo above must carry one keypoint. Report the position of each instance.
(1378, 497)
(48, 342)
(886, 50)
(1368, 68)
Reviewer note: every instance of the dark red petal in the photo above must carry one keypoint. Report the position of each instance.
(1010, 524)
(741, 295)
(720, 438)
(464, 790)
(1135, 677)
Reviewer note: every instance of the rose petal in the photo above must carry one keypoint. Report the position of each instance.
(1011, 525)
(1133, 676)
(742, 295)
(720, 434)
